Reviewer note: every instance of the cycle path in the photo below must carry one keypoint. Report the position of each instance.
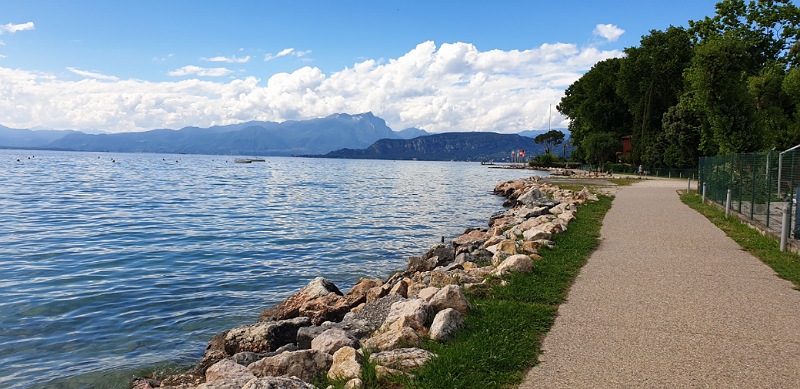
(668, 300)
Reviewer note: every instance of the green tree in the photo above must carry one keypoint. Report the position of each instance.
(593, 105)
(682, 127)
(601, 147)
(549, 139)
(718, 78)
(650, 82)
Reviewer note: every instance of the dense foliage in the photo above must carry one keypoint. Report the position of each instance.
(730, 83)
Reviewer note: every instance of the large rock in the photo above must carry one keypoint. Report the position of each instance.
(332, 340)
(414, 313)
(291, 307)
(450, 296)
(358, 294)
(516, 263)
(305, 364)
(446, 253)
(445, 324)
(262, 336)
(346, 364)
(330, 307)
(227, 373)
(394, 337)
(278, 383)
(532, 197)
(374, 313)
(471, 238)
(403, 359)
(535, 234)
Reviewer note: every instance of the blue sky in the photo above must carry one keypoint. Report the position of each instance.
(439, 65)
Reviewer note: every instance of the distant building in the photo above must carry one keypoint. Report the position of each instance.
(626, 146)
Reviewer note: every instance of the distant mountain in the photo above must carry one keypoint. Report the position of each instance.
(14, 138)
(315, 136)
(411, 133)
(458, 146)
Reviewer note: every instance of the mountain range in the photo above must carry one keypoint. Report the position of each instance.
(338, 135)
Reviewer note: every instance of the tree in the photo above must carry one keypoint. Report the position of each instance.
(549, 139)
(682, 127)
(601, 147)
(650, 82)
(593, 105)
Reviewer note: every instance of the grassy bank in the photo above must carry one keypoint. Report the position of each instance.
(765, 248)
(504, 331)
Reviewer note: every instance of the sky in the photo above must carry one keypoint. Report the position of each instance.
(439, 65)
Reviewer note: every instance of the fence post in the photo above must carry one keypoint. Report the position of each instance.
(688, 185)
(785, 228)
(728, 203)
(704, 193)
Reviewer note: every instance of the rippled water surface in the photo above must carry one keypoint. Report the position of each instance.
(118, 264)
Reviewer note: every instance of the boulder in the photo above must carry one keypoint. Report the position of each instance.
(450, 296)
(346, 364)
(230, 372)
(393, 338)
(427, 293)
(305, 364)
(445, 323)
(417, 264)
(330, 307)
(358, 294)
(262, 336)
(383, 373)
(535, 234)
(532, 197)
(354, 383)
(278, 383)
(440, 278)
(377, 292)
(374, 313)
(550, 228)
(516, 263)
(471, 238)
(403, 359)
(401, 287)
(414, 312)
(446, 253)
(332, 340)
(290, 307)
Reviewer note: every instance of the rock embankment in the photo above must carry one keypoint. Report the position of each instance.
(321, 332)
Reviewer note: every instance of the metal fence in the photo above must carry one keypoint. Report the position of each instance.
(648, 171)
(761, 185)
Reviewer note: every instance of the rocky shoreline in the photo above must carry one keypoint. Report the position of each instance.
(321, 332)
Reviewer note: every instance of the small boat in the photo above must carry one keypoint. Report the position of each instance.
(249, 160)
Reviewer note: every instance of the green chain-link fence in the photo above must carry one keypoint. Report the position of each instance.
(762, 185)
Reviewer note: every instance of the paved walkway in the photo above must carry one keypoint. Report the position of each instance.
(668, 300)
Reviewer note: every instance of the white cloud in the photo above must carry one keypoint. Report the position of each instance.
(98, 76)
(12, 28)
(608, 32)
(198, 71)
(451, 87)
(286, 52)
(232, 59)
(2, 43)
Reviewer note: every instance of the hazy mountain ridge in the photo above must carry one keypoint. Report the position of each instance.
(331, 134)
(458, 146)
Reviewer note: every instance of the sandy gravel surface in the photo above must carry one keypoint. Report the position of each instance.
(668, 300)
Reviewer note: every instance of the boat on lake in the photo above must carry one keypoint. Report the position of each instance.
(249, 160)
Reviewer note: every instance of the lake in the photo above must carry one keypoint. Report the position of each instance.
(118, 264)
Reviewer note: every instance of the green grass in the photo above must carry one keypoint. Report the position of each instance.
(765, 248)
(503, 332)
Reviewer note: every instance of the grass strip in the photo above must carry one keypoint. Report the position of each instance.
(503, 332)
(767, 249)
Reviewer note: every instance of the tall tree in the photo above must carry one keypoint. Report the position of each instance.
(650, 81)
(549, 139)
(593, 105)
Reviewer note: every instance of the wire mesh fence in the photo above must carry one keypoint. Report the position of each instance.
(762, 185)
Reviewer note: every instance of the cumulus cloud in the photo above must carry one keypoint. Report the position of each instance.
(198, 71)
(88, 74)
(232, 59)
(608, 32)
(450, 87)
(12, 28)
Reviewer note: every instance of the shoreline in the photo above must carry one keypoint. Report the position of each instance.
(317, 331)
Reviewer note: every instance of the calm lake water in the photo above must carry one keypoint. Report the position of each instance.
(119, 264)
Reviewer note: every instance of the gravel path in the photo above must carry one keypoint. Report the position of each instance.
(668, 300)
